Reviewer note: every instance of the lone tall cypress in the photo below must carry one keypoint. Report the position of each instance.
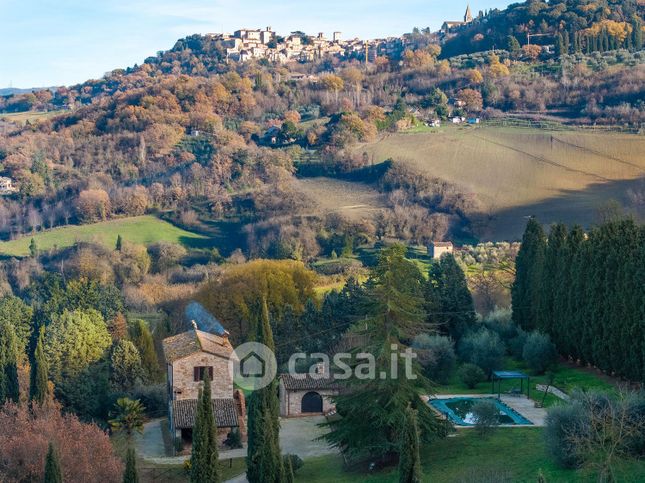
(53, 473)
(264, 460)
(39, 371)
(204, 457)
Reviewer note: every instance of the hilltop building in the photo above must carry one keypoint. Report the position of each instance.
(190, 358)
(450, 26)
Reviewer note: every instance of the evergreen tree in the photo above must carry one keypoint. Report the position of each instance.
(142, 338)
(449, 302)
(566, 41)
(528, 275)
(119, 243)
(564, 305)
(409, 459)
(204, 458)
(637, 34)
(9, 387)
(39, 372)
(53, 473)
(33, 248)
(559, 45)
(289, 476)
(130, 475)
(264, 460)
(372, 408)
(513, 45)
(546, 314)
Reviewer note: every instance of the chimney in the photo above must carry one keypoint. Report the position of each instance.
(194, 324)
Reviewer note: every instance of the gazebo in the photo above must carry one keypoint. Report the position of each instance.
(498, 376)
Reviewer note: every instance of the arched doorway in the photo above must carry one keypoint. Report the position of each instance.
(312, 403)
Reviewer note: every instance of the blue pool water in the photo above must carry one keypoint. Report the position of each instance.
(459, 410)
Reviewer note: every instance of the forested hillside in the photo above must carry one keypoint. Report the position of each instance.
(572, 25)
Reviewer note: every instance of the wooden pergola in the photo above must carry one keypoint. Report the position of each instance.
(499, 376)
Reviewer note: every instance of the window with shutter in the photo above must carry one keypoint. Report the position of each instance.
(200, 371)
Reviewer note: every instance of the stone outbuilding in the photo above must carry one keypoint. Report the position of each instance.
(190, 358)
(306, 394)
(437, 248)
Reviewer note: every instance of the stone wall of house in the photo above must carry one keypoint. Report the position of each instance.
(184, 384)
(291, 401)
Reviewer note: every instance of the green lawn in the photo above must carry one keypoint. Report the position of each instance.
(511, 454)
(566, 378)
(145, 229)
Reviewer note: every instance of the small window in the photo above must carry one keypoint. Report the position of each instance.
(200, 371)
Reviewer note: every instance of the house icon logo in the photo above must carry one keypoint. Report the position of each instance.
(252, 366)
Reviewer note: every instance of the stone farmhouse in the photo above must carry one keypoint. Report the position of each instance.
(190, 357)
(437, 248)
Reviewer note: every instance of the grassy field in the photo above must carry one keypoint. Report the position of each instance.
(29, 116)
(352, 200)
(513, 454)
(145, 229)
(566, 378)
(516, 172)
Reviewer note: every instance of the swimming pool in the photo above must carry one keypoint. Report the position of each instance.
(459, 410)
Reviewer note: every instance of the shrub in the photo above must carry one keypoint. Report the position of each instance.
(516, 344)
(437, 355)
(561, 422)
(486, 416)
(539, 352)
(471, 375)
(234, 439)
(484, 349)
(296, 461)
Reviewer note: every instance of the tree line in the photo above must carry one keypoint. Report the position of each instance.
(587, 291)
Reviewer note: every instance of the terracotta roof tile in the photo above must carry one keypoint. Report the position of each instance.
(305, 382)
(187, 343)
(184, 410)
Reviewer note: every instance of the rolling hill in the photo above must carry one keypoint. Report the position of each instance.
(514, 172)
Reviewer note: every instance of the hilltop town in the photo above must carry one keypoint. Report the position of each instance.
(246, 44)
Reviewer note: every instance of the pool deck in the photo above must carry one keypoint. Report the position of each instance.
(523, 405)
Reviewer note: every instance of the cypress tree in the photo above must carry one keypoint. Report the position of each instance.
(142, 338)
(546, 315)
(637, 34)
(53, 473)
(528, 275)
(565, 39)
(559, 44)
(204, 457)
(264, 460)
(9, 386)
(449, 302)
(289, 476)
(33, 248)
(119, 243)
(39, 371)
(409, 458)
(565, 329)
(130, 475)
